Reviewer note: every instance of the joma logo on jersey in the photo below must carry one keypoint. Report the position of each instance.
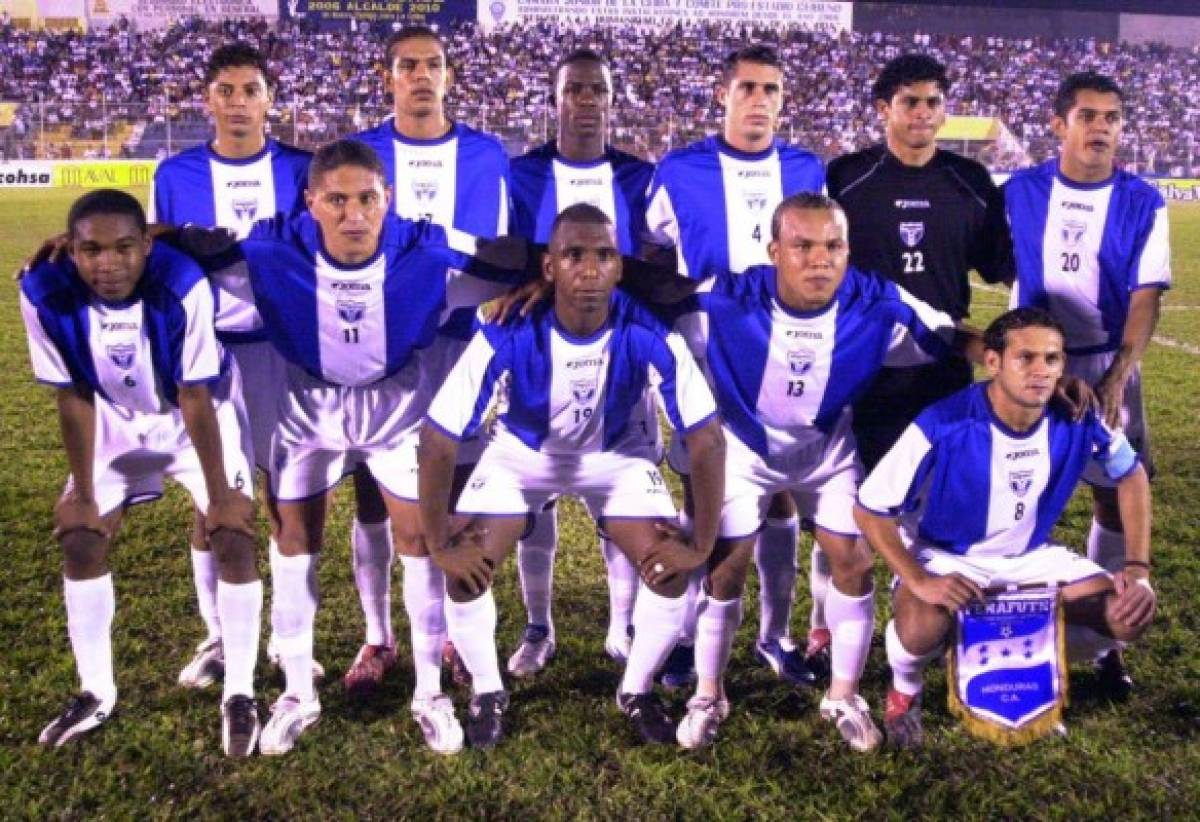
(1072, 232)
(1070, 206)
(351, 286)
(799, 334)
(1018, 455)
(583, 390)
(594, 362)
(748, 173)
(906, 204)
(244, 184)
(756, 200)
(424, 190)
(121, 354)
(1020, 482)
(800, 361)
(587, 181)
(351, 311)
(424, 163)
(912, 233)
(118, 326)
(245, 210)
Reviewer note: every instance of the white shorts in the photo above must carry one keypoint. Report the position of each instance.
(134, 451)
(1048, 564)
(325, 431)
(1091, 367)
(513, 480)
(823, 481)
(264, 382)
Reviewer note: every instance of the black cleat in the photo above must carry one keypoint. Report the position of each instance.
(239, 726)
(485, 728)
(648, 716)
(83, 713)
(1113, 677)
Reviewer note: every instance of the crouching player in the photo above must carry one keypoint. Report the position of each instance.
(967, 498)
(132, 322)
(575, 423)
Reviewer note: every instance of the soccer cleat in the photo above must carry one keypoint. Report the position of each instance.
(536, 649)
(318, 670)
(679, 671)
(83, 713)
(816, 652)
(366, 673)
(439, 725)
(290, 717)
(1113, 677)
(484, 726)
(698, 728)
(902, 720)
(852, 716)
(782, 657)
(617, 645)
(239, 725)
(207, 665)
(648, 716)
(459, 675)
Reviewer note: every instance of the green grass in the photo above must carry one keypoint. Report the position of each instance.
(569, 753)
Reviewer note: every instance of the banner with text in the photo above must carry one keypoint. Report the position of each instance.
(337, 14)
(813, 15)
(76, 173)
(152, 14)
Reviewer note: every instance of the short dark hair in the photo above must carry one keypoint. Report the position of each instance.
(758, 53)
(579, 213)
(804, 201)
(1072, 84)
(106, 201)
(907, 70)
(340, 153)
(238, 54)
(583, 55)
(411, 33)
(995, 337)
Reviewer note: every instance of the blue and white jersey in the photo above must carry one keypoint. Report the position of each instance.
(135, 353)
(783, 378)
(544, 184)
(355, 325)
(570, 395)
(962, 481)
(1082, 249)
(457, 181)
(714, 203)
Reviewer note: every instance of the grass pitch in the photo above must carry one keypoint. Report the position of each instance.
(569, 753)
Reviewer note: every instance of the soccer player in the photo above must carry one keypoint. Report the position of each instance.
(131, 321)
(789, 347)
(968, 497)
(712, 201)
(574, 423)
(349, 294)
(577, 167)
(240, 176)
(1091, 247)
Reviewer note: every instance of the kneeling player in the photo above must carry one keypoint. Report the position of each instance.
(132, 322)
(575, 423)
(977, 484)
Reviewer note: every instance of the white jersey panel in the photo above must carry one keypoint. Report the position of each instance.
(121, 356)
(1154, 267)
(424, 187)
(351, 327)
(663, 227)
(1020, 470)
(1071, 260)
(794, 380)
(48, 364)
(243, 193)
(592, 185)
(753, 188)
(578, 378)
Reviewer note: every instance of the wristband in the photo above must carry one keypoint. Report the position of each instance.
(1137, 563)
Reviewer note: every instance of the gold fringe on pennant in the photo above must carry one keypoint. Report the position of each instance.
(1043, 725)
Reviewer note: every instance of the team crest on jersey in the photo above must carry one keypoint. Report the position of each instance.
(424, 190)
(583, 390)
(1020, 482)
(912, 233)
(755, 200)
(121, 354)
(1072, 232)
(245, 210)
(351, 311)
(800, 361)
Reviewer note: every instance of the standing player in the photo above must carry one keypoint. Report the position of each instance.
(1091, 247)
(923, 217)
(579, 370)
(239, 177)
(132, 322)
(967, 499)
(577, 167)
(713, 202)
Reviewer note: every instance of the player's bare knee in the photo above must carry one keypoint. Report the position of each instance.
(727, 581)
(199, 532)
(407, 541)
(458, 592)
(673, 589)
(236, 556)
(295, 542)
(85, 553)
(851, 565)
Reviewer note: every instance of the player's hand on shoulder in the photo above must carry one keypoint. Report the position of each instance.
(952, 591)
(510, 251)
(518, 302)
(196, 241)
(1075, 397)
(463, 560)
(72, 513)
(233, 511)
(1136, 602)
(51, 250)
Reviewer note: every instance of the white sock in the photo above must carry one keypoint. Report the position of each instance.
(473, 630)
(622, 591)
(716, 627)
(775, 556)
(657, 621)
(1087, 645)
(820, 580)
(1106, 548)
(908, 669)
(91, 604)
(535, 567)
(371, 554)
(204, 574)
(240, 607)
(695, 590)
(293, 611)
(852, 622)
(425, 602)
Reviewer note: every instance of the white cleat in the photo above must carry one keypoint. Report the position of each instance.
(290, 717)
(207, 665)
(698, 728)
(440, 727)
(617, 646)
(83, 713)
(534, 652)
(239, 725)
(852, 716)
(318, 671)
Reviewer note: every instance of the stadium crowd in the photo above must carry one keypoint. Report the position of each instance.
(329, 85)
